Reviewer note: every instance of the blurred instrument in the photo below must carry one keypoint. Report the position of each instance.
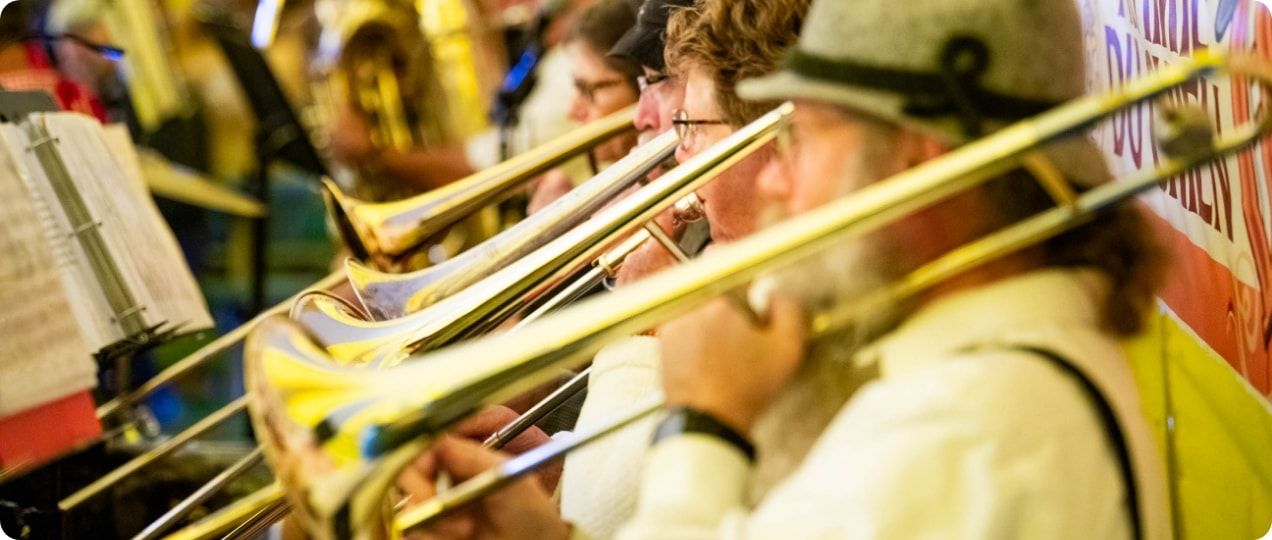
(183, 184)
(375, 62)
(338, 436)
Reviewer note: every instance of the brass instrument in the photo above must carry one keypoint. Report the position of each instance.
(387, 295)
(494, 256)
(522, 237)
(375, 61)
(338, 436)
(388, 231)
(478, 185)
(491, 301)
(533, 231)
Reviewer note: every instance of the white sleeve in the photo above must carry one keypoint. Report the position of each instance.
(923, 459)
(599, 482)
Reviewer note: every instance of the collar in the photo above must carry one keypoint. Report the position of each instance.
(1049, 297)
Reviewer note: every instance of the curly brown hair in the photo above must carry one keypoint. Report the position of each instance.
(734, 40)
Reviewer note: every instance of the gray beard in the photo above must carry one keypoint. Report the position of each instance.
(787, 430)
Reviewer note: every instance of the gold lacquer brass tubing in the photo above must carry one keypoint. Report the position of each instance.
(205, 353)
(388, 296)
(155, 454)
(492, 300)
(230, 517)
(390, 415)
(1069, 213)
(394, 228)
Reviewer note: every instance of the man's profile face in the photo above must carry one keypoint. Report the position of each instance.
(658, 99)
(730, 200)
(823, 157)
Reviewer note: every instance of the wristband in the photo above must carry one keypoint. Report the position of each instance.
(681, 420)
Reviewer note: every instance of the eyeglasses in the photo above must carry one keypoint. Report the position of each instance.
(685, 126)
(588, 90)
(643, 82)
(111, 52)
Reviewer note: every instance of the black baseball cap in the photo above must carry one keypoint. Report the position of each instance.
(644, 42)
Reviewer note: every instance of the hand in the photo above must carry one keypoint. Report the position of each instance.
(350, 138)
(551, 186)
(481, 426)
(651, 256)
(523, 510)
(716, 360)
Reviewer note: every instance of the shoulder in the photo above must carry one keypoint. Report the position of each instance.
(1002, 390)
(995, 444)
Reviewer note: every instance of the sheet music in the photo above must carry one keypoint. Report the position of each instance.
(44, 357)
(172, 286)
(88, 303)
(148, 255)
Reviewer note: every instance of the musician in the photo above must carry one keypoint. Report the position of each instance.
(661, 93)
(988, 418)
(710, 47)
(603, 85)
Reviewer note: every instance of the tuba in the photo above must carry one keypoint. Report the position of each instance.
(376, 63)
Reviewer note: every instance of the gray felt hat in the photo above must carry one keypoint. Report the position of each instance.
(956, 69)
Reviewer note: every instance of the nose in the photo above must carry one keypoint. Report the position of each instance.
(647, 112)
(578, 109)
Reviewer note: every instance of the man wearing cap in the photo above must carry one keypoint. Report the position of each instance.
(661, 94)
(709, 49)
(1004, 407)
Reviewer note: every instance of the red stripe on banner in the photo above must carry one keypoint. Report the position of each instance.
(1224, 312)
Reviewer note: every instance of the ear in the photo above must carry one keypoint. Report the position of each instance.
(931, 148)
(916, 148)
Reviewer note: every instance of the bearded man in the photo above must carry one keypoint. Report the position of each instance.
(1004, 407)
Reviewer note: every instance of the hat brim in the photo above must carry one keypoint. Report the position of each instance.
(642, 47)
(1077, 157)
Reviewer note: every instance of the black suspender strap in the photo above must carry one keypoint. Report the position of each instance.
(1112, 429)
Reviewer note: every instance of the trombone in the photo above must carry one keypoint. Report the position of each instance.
(494, 180)
(493, 300)
(317, 307)
(389, 231)
(527, 235)
(337, 437)
(387, 295)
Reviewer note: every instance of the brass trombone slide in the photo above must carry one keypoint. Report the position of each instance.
(1014, 238)
(268, 502)
(492, 300)
(338, 463)
(387, 295)
(476, 263)
(392, 229)
(495, 179)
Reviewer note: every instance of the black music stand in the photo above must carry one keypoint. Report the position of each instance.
(279, 134)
